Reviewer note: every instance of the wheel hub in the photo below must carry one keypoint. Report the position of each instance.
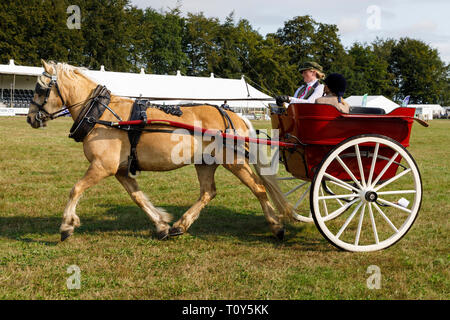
(371, 196)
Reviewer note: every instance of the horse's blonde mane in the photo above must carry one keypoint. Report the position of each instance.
(65, 69)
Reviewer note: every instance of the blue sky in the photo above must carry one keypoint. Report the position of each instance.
(358, 20)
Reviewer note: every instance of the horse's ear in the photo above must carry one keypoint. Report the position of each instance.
(47, 67)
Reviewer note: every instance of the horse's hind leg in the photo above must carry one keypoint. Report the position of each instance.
(159, 217)
(93, 175)
(205, 174)
(254, 183)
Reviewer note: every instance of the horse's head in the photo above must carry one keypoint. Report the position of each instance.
(47, 100)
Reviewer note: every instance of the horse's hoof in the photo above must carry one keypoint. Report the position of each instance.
(163, 235)
(175, 231)
(65, 234)
(280, 234)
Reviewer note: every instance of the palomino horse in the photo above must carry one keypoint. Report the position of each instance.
(107, 149)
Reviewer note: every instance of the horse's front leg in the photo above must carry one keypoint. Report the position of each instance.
(159, 217)
(93, 175)
(205, 174)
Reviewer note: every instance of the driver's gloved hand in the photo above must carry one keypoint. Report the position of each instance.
(281, 99)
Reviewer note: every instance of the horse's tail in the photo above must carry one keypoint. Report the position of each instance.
(284, 208)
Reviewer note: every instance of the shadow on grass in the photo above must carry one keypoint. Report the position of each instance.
(214, 222)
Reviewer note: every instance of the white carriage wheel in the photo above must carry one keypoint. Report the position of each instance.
(388, 220)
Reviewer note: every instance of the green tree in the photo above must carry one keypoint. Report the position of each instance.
(226, 60)
(307, 40)
(200, 43)
(327, 49)
(104, 27)
(419, 71)
(269, 67)
(33, 29)
(163, 41)
(298, 34)
(370, 72)
(138, 38)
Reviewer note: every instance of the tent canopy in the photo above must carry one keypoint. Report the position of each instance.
(237, 92)
(373, 102)
(435, 108)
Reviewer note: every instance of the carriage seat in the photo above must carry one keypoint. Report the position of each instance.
(366, 110)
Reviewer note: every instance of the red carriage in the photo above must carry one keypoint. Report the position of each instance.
(353, 166)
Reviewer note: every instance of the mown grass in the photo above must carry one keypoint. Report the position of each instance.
(229, 252)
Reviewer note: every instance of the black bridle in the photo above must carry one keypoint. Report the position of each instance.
(42, 114)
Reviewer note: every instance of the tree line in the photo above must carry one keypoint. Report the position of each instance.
(125, 38)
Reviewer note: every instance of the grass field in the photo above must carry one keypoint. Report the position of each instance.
(229, 253)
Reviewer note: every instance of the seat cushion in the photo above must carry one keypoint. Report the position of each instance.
(366, 110)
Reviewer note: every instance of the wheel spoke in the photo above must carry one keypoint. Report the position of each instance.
(337, 212)
(340, 202)
(401, 174)
(324, 202)
(396, 192)
(358, 231)
(286, 178)
(348, 171)
(361, 171)
(385, 218)
(374, 227)
(340, 196)
(394, 205)
(374, 160)
(302, 197)
(342, 186)
(295, 188)
(342, 183)
(348, 220)
(385, 169)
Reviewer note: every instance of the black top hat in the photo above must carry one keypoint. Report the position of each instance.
(336, 83)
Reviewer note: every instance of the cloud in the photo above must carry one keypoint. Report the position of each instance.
(348, 25)
(444, 50)
(424, 26)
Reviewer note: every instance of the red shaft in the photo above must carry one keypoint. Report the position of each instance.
(209, 132)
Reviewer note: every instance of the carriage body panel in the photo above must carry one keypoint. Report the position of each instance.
(317, 128)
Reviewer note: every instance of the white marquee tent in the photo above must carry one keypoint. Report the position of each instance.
(423, 111)
(428, 111)
(373, 102)
(237, 92)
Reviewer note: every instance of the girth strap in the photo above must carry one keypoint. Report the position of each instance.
(138, 112)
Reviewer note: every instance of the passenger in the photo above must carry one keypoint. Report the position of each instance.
(335, 86)
(312, 72)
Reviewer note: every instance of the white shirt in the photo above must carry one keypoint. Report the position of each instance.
(318, 92)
